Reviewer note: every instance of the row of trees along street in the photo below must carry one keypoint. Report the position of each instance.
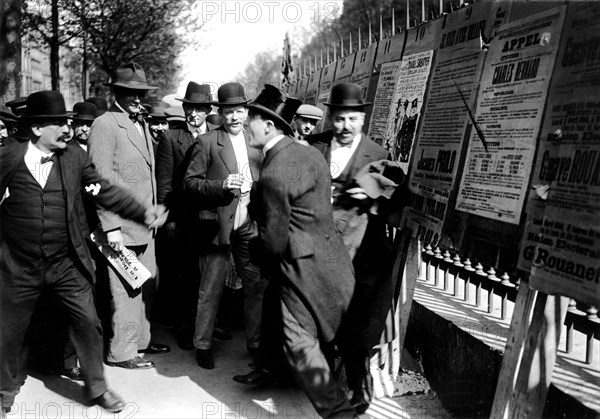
(99, 35)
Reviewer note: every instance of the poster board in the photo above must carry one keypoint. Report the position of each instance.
(344, 68)
(390, 49)
(511, 100)
(326, 82)
(363, 67)
(312, 87)
(445, 120)
(561, 241)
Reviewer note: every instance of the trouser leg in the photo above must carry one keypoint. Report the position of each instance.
(311, 370)
(209, 294)
(85, 331)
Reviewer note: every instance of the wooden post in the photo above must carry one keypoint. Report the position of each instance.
(529, 355)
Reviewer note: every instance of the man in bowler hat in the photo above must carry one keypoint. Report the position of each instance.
(43, 242)
(308, 261)
(219, 180)
(121, 147)
(347, 150)
(181, 231)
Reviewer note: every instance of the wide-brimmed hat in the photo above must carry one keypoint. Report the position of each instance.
(309, 112)
(84, 111)
(45, 104)
(197, 93)
(130, 76)
(231, 94)
(99, 102)
(272, 103)
(346, 96)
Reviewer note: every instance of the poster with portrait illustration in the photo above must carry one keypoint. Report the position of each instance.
(406, 106)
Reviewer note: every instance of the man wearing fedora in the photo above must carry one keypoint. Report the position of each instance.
(84, 115)
(309, 265)
(305, 121)
(121, 147)
(219, 180)
(347, 150)
(181, 231)
(43, 242)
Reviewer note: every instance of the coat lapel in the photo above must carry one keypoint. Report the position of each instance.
(226, 151)
(134, 135)
(363, 156)
(184, 139)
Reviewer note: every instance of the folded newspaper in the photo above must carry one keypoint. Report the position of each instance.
(124, 261)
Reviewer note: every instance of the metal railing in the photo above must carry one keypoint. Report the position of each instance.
(446, 270)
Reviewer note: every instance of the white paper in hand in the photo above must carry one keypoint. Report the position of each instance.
(124, 262)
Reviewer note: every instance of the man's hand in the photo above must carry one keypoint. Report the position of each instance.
(233, 181)
(156, 216)
(115, 240)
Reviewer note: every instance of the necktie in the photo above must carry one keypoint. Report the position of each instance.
(136, 117)
(47, 159)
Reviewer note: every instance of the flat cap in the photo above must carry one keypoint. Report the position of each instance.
(310, 112)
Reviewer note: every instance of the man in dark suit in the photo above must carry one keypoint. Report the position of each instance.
(181, 237)
(309, 263)
(43, 242)
(121, 147)
(347, 150)
(219, 179)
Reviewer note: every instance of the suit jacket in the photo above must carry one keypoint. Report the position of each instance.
(212, 159)
(296, 229)
(126, 158)
(76, 171)
(172, 159)
(374, 258)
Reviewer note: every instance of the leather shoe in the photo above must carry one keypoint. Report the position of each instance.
(221, 334)
(204, 358)
(74, 373)
(256, 377)
(110, 401)
(133, 364)
(155, 348)
(359, 403)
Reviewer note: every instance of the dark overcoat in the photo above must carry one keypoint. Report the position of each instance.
(77, 171)
(374, 258)
(212, 159)
(297, 231)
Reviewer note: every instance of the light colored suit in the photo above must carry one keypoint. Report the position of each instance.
(126, 157)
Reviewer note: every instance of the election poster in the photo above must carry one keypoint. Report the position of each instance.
(386, 88)
(561, 241)
(344, 68)
(514, 86)
(445, 117)
(326, 82)
(312, 88)
(390, 49)
(406, 106)
(363, 67)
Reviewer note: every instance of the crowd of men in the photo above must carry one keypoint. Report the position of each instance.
(298, 216)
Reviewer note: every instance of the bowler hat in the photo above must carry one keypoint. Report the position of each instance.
(309, 112)
(197, 93)
(46, 104)
(100, 104)
(84, 111)
(272, 103)
(347, 96)
(231, 94)
(130, 76)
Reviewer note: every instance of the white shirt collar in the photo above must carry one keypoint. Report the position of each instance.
(202, 128)
(35, 153)
(335, 144)
(272, 143)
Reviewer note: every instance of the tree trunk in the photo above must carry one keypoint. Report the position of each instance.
(10, 50)
(54, 49)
